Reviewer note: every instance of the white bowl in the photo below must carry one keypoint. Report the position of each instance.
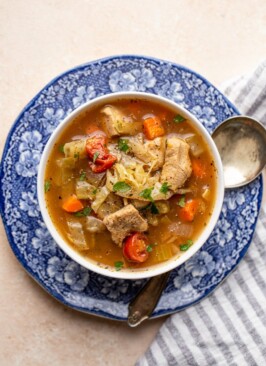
(140, 272)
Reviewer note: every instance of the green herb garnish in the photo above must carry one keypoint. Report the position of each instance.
(61, 148)
(94, 191)
(186, 245)
(95, 156)
(47, 186)
(76, 155)
(149, 248)
(146, 193)
(123, 145)
(82, 175)
(164, 188)
(121, 187)
(178, 118)
(119, 265)
(85, 212)
(182, 201)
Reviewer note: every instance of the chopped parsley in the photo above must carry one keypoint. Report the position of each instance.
(164, 188)
(85, 212)
(47, 186)
(61, 148)
(123, 145)
(182, 201)
(76, 155)
(186, 245)
(82, 175)
(119, 265)
(146, 193)
(149, 248)
(154, 209)
(94, 191)
(178, 118)
(121, 187)
(95, 156)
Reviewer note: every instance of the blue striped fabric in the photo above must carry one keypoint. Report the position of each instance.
(228, 327)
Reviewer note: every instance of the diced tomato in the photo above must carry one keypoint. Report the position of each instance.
(100, 165)
(96, 145)
(98, 153)
(135, 248)
(188, 212)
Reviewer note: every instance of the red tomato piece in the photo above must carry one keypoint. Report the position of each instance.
(135, 248)
(103, 164)
(96, 145)
(98, 153)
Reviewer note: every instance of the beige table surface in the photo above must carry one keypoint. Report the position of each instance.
(42, 38)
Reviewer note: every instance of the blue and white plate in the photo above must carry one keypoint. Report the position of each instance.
(29, 239)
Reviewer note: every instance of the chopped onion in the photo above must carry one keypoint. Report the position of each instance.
(76, 234)
(180, 229)
(94, 225)
(206, 195)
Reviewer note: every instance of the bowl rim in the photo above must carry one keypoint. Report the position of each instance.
(102, 269)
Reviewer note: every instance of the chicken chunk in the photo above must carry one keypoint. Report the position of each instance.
(115, 123)
(177, 167)
(123, 222)
(149, 151)
(112, 117)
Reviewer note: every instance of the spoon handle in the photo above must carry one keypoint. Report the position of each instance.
(146, 300)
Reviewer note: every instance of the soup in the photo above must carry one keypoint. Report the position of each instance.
(130, 184)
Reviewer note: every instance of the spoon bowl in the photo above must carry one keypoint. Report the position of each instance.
(241, 142)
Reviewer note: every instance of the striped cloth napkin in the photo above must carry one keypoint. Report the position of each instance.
(229, 326)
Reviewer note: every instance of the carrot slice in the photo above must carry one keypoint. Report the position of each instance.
(198, 168)
(153, 128)
(72, 204)
(188, 212)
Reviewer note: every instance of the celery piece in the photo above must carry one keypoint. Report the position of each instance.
(163, 252)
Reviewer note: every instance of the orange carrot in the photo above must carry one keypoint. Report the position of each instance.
(198, 168)
(188, 212)
(72, 204)
(153, 128)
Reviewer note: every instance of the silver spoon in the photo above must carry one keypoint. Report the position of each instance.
(241, 142)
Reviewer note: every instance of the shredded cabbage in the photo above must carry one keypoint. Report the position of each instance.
(75, 149)
(85, 190)
(100, 197)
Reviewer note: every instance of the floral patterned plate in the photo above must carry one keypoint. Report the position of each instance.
(32, 244)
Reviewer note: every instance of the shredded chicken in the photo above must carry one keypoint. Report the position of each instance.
(177, 167)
